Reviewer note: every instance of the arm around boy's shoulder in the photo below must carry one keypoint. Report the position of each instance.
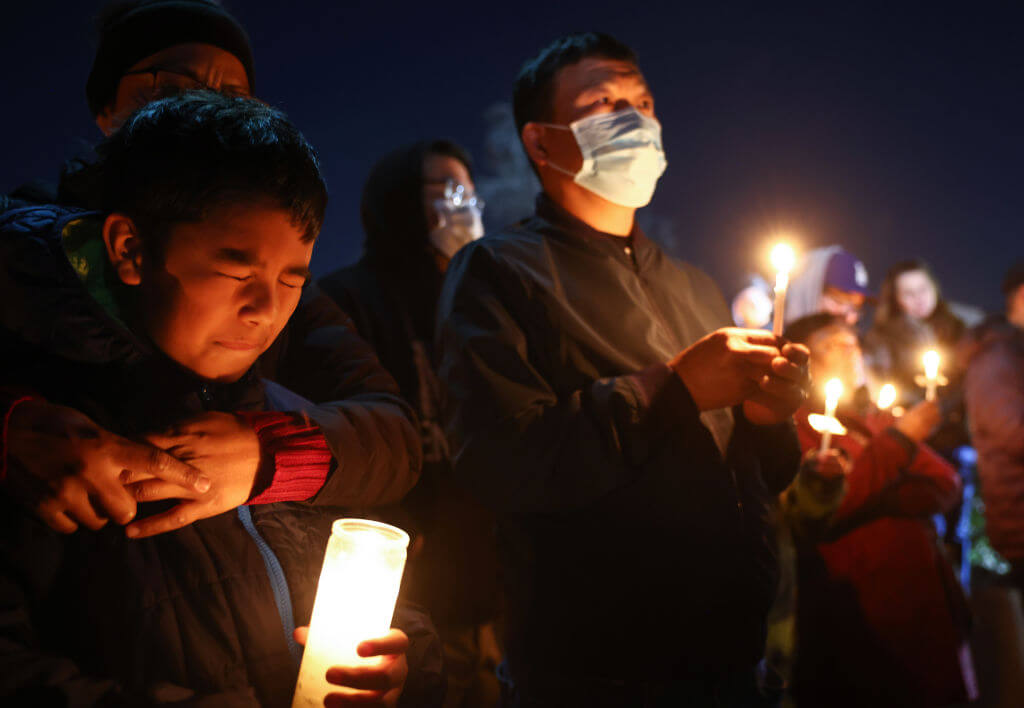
(369, 429)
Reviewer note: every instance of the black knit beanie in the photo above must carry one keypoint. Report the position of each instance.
(139, 29)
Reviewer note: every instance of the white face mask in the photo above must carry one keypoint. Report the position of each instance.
(459, 220)
(622, 156)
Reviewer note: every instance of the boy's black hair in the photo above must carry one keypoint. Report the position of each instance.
(178, 158)
(534, 88)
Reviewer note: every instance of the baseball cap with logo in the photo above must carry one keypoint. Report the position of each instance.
(845, 272)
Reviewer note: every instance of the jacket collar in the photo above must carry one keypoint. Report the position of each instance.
(568, 228)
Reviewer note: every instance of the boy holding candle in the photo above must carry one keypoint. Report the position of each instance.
(148, 49)
(155, 308)
(880, 615)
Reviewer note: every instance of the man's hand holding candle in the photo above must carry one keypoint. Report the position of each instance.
(733, 366)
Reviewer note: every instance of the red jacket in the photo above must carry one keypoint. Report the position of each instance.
(880, 616)
(995, 405)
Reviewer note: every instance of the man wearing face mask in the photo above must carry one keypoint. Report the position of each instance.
(419, 207)
(630, 442)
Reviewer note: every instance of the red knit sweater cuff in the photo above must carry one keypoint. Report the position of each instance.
(8, 402)
(295, 452)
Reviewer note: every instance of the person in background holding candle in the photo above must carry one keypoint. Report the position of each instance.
(191, 268)
(628, 438)
(881, 619)
(912, 317)
(830, 280)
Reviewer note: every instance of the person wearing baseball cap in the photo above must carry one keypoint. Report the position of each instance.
(830, 280)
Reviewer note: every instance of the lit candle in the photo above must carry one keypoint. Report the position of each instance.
(886, 397)
(355, 600)
(931, 373)
(783, 259)
(833, 392)
(826, 425)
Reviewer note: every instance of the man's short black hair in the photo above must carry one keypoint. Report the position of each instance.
(177, 159)
(801, 330)
(534, 89)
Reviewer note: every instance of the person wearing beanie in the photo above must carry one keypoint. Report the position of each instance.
(149, 49)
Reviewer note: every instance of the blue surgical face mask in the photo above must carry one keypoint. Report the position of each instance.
(459, 219)
(622, 156)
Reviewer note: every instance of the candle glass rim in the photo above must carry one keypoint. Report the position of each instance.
(386, 532)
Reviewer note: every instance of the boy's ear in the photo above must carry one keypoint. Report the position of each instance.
(124, 248)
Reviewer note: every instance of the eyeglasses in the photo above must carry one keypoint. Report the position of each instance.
(163, 83)
(456, 196)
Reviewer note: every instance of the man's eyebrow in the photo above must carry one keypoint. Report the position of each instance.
(602, 78)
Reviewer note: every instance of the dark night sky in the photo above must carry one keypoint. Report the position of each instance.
(897, 132)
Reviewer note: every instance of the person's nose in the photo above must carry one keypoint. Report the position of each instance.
(260, 303)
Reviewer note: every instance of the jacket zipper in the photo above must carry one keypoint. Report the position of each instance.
(656, 309)
(275, 573)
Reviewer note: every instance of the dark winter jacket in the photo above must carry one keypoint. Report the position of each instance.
(994, 388)
(455, 575)
(200, 613)
(632, 547)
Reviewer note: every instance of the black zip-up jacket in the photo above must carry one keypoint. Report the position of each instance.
(632, 548)
(94, 618)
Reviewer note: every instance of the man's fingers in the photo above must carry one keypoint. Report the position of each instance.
(301, 634)
(180, 516)
(115, 501)
(756, 336)
(158, 490)
(54, 517)
(788, 370)
(146, 458)
(71, 498)
(782, 390)
(799, 354)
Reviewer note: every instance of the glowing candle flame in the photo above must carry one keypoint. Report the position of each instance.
(931, 364)
(931, 373)
(783, 258)
(833, 392)
(826, 424)
(887, 396)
